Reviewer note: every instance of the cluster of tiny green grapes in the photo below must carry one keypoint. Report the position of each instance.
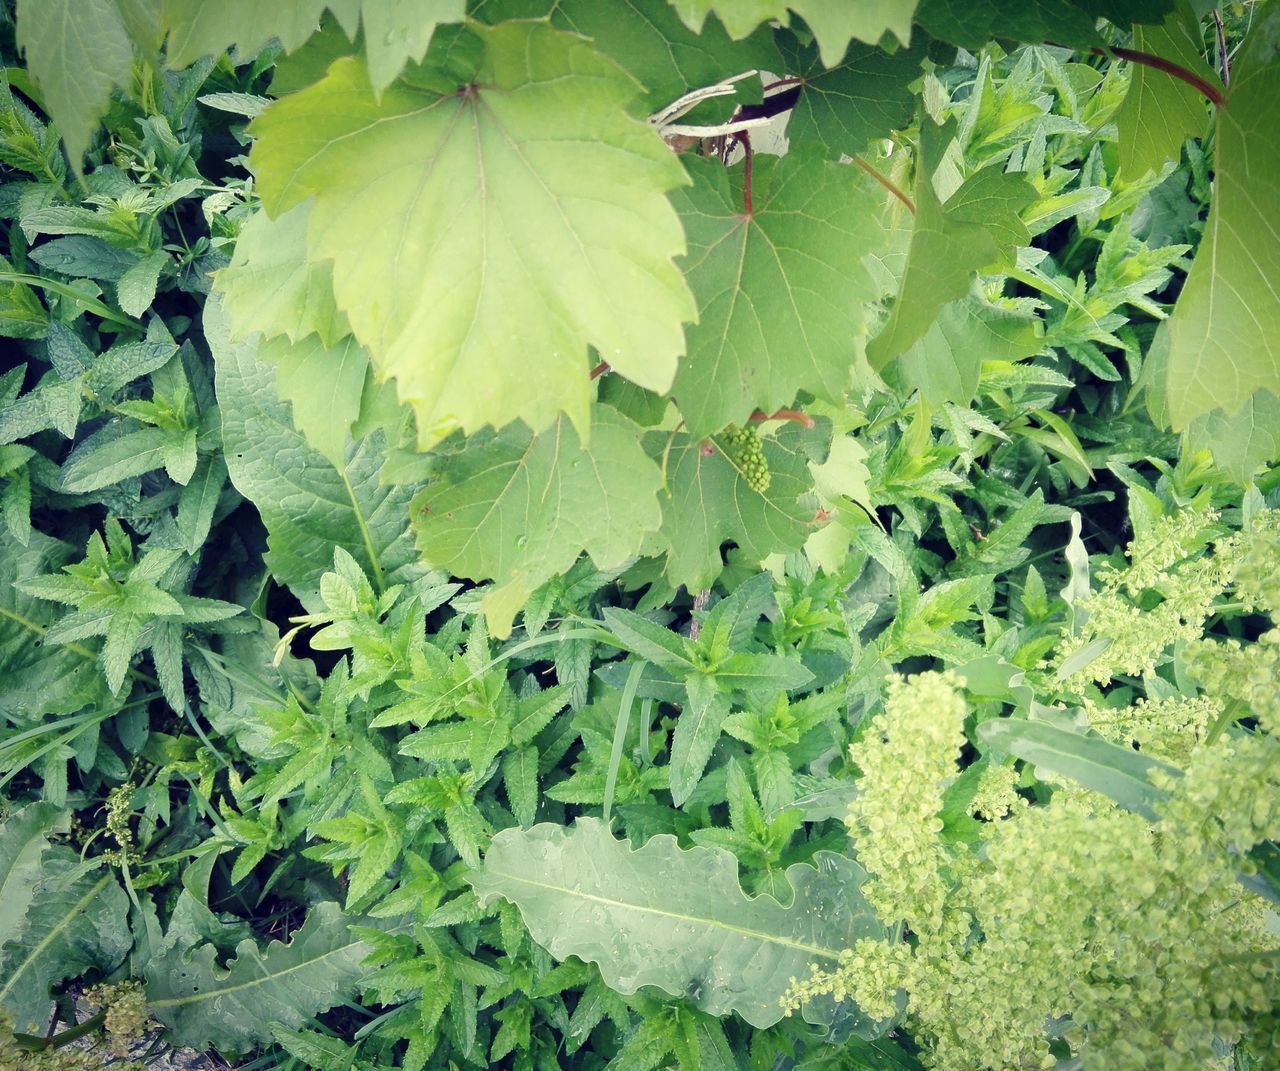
(1169, 729)
(907, 756)
(1137, 634)
(996, 795)
(745, 452)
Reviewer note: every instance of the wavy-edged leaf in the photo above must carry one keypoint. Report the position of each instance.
(77, 922)
(1223, 340)
(780, 289)
(23, 842)
(972, 23)
(675, 919)
(954, 236)
(232, 1008)
(483, 237)
(323, 386)
(308, 505)
(833, 22)
(518, 508)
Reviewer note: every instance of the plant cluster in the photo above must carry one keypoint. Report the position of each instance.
(635, 534)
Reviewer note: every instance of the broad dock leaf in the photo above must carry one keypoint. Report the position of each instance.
(232, 1009)
(673, 918)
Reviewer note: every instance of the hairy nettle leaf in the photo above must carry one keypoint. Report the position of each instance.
(676, 919)
(485, 234)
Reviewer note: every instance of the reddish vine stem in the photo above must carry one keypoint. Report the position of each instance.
(1160, 64)
(759, 417)
(892, 187)
(599, 369)
(783, 82)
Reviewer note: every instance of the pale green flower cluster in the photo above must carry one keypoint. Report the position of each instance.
(1137, 636)
(1258, 574)
(1128, 944)
(1169, 729)
(996, 795)
(907, 756)
(1247, 674)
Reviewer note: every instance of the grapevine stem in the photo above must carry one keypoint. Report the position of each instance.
(759, 417)
(892, 187)
(745, 139)
(1159, 63)
(599, 369)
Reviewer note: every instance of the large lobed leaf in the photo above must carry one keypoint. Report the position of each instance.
(673, 918)
(780, 289)
(518, 508)
(1224, 338)
(487, 222)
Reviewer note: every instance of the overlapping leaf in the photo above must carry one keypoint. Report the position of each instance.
(972, 23)
(518, 508)
(483, 237)
(1223, 339)
(396, 32)
(954, 237)
(675, 919)
(707, 501)
(307, 504)
(232, 1008)
(866, 96)
(1160, 111)
(780, 289)
(832, 22)
(78, 51)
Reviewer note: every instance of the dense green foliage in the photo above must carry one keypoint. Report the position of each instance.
(508, 559)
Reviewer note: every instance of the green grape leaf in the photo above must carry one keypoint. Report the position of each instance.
(1223, 340)
(233, 1008)
(308, 504)
(271, 287)
(1243, 442)
(866, 96)
(78, 51)
(972, 23)
(779, 289)
(519, 508)
(707, 501)
(77, 922)
(482, 239)
(323, 386)
(648, 40)
(953, 237)
(1160, 111)
(833, 22)
(396, 32)
(946, 363)
(677, 919)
